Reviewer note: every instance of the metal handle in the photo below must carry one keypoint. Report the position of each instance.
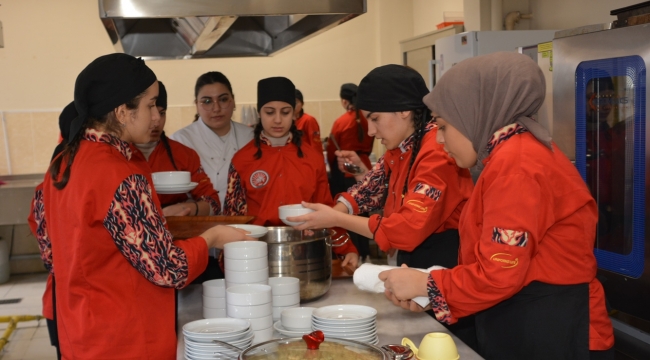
(333, 241)
(225, 344)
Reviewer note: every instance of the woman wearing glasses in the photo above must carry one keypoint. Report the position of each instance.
(213, 134)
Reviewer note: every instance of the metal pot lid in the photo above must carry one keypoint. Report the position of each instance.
(297, 348)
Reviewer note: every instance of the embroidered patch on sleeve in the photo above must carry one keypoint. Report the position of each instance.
(510, 237)
(427, 190)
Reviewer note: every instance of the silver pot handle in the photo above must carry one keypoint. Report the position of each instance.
(333, 244)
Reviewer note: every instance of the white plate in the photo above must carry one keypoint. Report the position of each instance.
(217, 326)
(344, 313)
(278, 327)
(344, 324)
(256, 231)
(175, 189)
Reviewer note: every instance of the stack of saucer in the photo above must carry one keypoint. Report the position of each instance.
(199, 336)
(350, 322)
(286, 294)
(252, 302)
(172, 182)
(246, 262)
(214, 299)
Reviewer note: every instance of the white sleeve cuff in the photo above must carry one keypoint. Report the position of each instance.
(347, 204)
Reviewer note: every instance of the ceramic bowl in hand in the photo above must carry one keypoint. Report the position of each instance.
(286, 211)
(171, 178)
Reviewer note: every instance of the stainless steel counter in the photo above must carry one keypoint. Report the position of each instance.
(393, 323)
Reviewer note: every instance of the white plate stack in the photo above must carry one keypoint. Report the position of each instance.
(246, 262)
(214, 299)
(199, 336)
(286, 294)
(350, 322)
(252, 302)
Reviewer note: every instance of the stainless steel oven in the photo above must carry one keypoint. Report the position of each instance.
(599, 121)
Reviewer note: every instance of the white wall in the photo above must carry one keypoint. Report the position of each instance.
(429, 13)
(48, 42)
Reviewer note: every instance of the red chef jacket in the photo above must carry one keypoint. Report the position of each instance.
(259, 186)
(530, 218)
(115, 263)
(346, 133)
(436, 194)
(186, 159)
(310, 133)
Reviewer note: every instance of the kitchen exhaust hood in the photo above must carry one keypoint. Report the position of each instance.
(175, 29)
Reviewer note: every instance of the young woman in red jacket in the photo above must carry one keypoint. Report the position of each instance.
(350, 132)
(164, 154)
(527, 268)
(100, 228)
(274, 169)
(308, 125)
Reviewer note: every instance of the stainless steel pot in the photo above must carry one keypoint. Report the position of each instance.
(306, 255)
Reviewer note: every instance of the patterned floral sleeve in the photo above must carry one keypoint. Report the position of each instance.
(369, 192)
(235, 201)
(140, 234)
(438, 302)
(44, 244)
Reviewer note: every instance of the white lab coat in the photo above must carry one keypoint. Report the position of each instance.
(215, 152)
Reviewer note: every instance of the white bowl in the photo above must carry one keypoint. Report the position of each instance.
(231, 284)
(249, 294)
(249, 311)
(247, 277)
(284, 285)
(242, 250)
(214, 288)
(277, 311)
(255, 231)
(296, 319)
(292, 210)
(214, 302)
(167, 178)
(262, 335)
(261, 322)
(245, 265)
(209, 313)
(286, 300)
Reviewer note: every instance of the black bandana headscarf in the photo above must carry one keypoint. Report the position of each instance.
(275, 89)
(162, 96)
(69, 112)
(349, 92)
(106, 83)
(391, 88)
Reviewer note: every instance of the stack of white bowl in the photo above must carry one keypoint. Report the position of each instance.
(246, 262)
(252, 302)
(199, 336)
(214, 299)
(286, 294)
(294, 322)
(350, 322)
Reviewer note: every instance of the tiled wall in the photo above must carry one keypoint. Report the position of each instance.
(31, 137)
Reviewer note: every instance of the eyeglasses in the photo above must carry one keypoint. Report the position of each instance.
(222, 102)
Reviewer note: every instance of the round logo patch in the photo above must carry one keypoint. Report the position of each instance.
(259, 178)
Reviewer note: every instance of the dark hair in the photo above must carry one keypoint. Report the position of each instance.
(296, 139)
(165, 142)
(211, 77)
(110, 124)
(421, 117)
(302, 109)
